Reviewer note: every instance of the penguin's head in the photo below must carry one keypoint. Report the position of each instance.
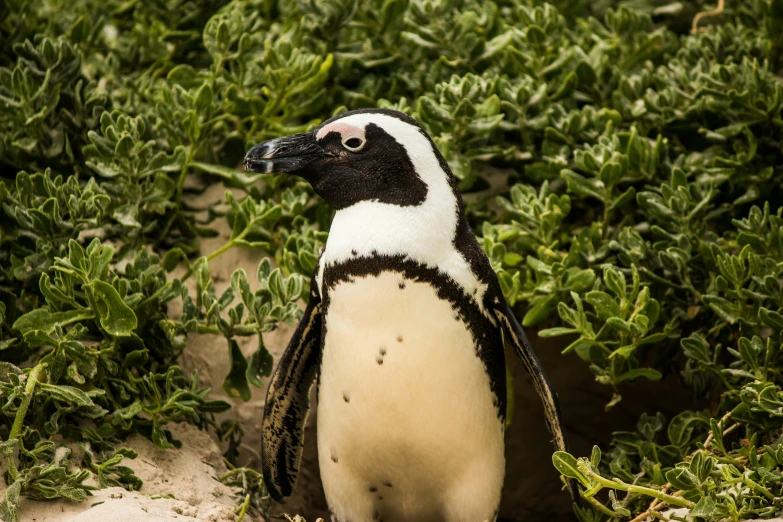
(365, 155)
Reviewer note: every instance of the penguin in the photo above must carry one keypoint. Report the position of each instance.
(403, 332)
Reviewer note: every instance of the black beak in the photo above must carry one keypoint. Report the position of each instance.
(286, 154)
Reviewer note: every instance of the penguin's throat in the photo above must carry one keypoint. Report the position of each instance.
(423, 233)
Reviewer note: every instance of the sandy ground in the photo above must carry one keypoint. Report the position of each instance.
(187, 476)
(532, 491)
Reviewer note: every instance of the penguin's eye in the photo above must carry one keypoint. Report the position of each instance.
(353, 143)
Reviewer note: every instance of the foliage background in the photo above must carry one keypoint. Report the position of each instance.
(640, 216)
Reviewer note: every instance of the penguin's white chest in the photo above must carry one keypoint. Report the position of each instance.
(407, 424)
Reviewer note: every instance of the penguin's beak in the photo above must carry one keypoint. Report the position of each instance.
(286, 154)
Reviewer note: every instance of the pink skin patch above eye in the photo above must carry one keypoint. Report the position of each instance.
(344, 129)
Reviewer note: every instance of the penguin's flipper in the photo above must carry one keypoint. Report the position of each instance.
(288, 401)
(513, 330)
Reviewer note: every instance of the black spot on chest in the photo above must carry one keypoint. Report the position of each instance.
(487, 337)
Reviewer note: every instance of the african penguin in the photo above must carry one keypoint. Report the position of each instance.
(404, 331)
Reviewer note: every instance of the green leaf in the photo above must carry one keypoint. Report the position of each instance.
(392, 13)
(543, 308)
(73, 494)
(581, 186)
(227, 173)
(172, 258)
(184, 74)
(9, 508)
(203, 101)
(615, 281)
(595, 457)
(535, 35)
(557, 332)
(605, 305)
(433, 110)
(683, 479)
(771, 318)
(648, 373)
(260, 366)
(44, 320)
(618, 324)
(159, 436)
(235, 384)
(115, 316)
(705, 507)
(67, 394)
(682, 426)
(567, 465)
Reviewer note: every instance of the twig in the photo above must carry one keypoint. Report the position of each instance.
(706, 14)
(657, 503)
(653, 506)
(731, 428)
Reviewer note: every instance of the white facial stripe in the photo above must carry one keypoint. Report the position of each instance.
(343, 128)
(422, 233)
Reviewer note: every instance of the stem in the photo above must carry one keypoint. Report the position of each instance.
(658, 279)
(237, 330)
(212, 255)
(706, 14)
(183, 175)
(600, 507)
(622, 486)
(153, 296)
(653, 506)
(607, 217)
(224, 248)
(731, 428)
(245, 505)
(32, 380)
(237, 471)
(727, 460)
(757, 487)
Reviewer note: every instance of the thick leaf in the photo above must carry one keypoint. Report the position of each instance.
(567, 465)
(260, 366)
(9, 507)
(648, 373)
(44, 320)
(683, 479)
(705, 507)
(116, 317)
(159, 436)
(605, 305)
(235, 383)
(67, 394)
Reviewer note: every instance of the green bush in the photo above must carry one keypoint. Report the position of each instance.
(641, 217)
